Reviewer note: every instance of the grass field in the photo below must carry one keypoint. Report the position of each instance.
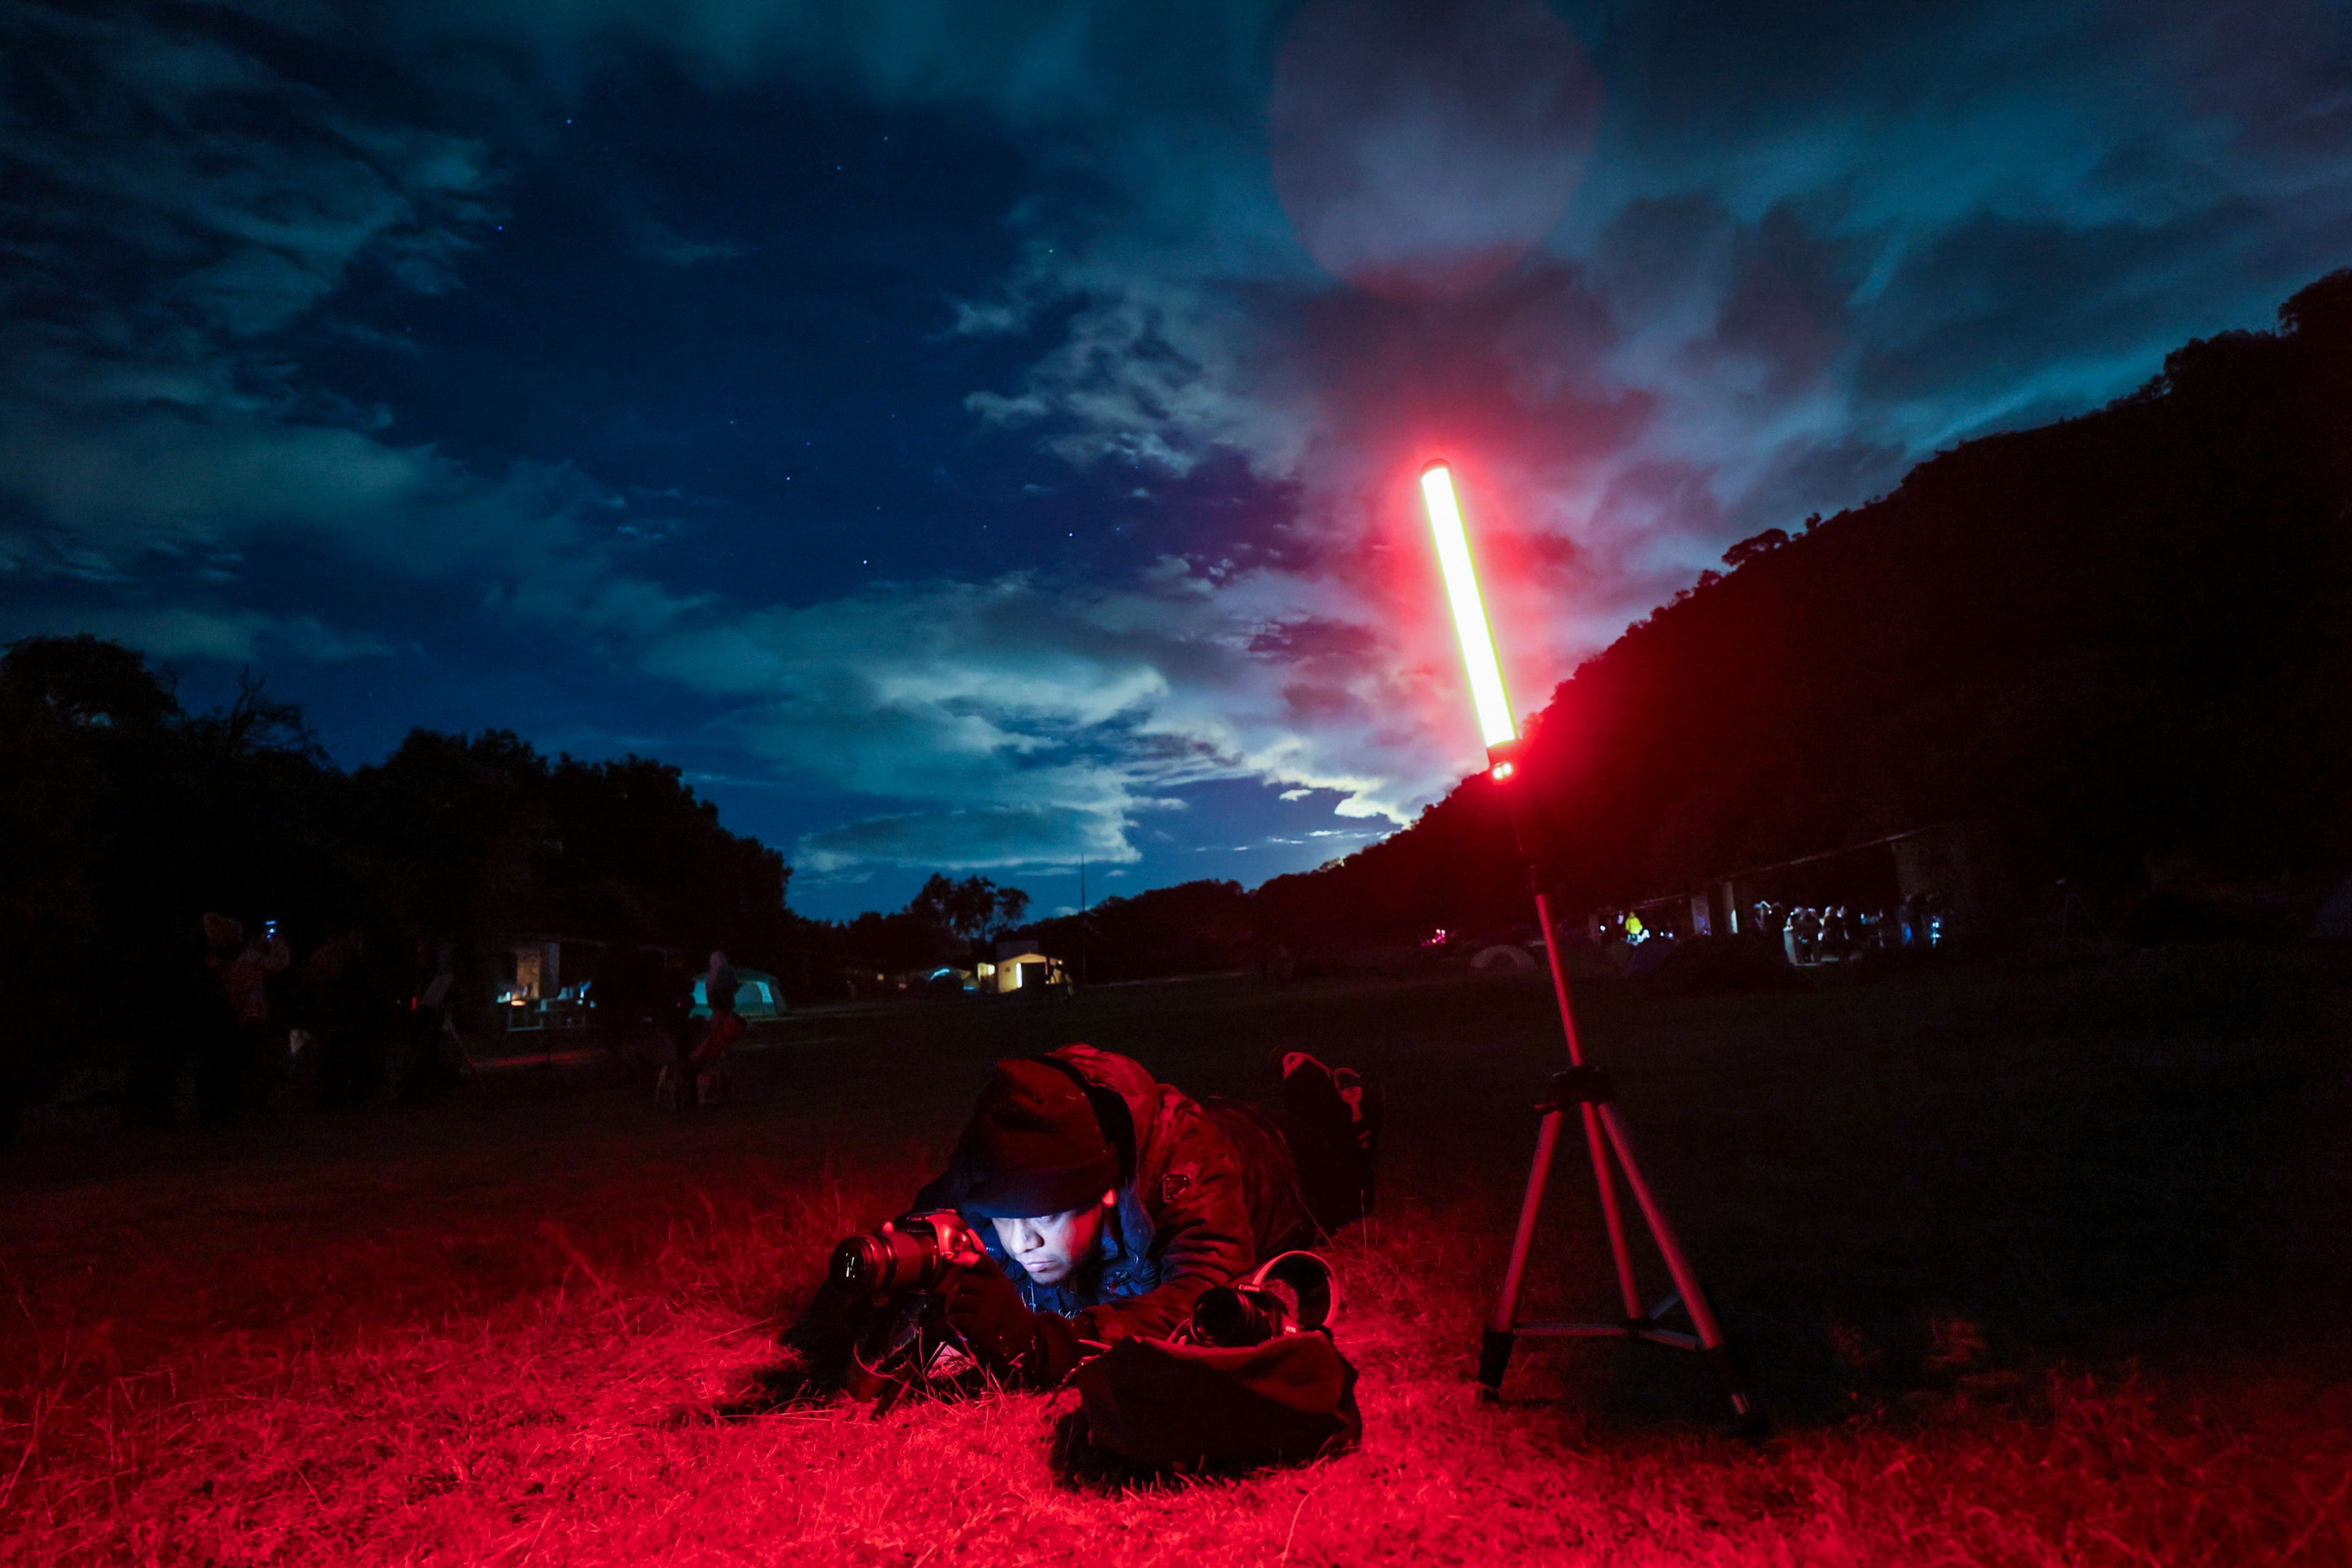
(2031, 1270)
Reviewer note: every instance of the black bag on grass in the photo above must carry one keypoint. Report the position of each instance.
(1254, 1379)
(1160, 1404)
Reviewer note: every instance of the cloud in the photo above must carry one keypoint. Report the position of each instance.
(1033, 719)
(253, 203)
(985, 838)
(188, 203)
(1420, 150)
(193, 209)
(654, 239)
(182, 632)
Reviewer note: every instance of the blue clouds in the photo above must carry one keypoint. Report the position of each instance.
(1061, 708)
(928, 414)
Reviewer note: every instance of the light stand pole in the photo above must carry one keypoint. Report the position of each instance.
(1583, 1086)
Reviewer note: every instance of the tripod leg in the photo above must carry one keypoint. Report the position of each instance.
(1670, 1247)
(1612, 1214)
(1494, 1346)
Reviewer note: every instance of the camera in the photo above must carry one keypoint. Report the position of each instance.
(1291, 1293)
(915, 1253)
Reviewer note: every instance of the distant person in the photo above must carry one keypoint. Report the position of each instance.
(243, 969)
(249, 982)
(427, 1066)
(719, 985)
(694, 1075)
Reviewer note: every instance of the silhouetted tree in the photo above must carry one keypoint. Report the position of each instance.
(1754, 546)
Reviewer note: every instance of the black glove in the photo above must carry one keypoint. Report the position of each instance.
(1008, 1338)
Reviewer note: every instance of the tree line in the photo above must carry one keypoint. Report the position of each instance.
(134, 818)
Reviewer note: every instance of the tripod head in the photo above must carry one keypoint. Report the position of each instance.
(1506, 771)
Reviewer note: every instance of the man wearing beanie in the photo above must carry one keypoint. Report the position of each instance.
(1108, 1201)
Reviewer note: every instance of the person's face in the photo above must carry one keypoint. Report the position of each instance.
(1050, 1247)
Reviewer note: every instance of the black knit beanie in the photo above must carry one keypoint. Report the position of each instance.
(1035, 1145)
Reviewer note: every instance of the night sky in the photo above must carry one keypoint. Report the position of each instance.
(975, 436)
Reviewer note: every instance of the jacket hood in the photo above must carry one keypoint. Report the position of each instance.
(1126, 1099)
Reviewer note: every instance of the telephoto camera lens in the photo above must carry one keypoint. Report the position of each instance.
(905, 1254)
(1288, 1293)
(1232, 1318)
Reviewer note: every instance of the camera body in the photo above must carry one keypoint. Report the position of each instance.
(916, 1252)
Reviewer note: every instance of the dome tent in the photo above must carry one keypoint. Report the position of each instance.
(757, 997)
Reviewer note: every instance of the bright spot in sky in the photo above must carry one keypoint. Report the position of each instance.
(1421, 150)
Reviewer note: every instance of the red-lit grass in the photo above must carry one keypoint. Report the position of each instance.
(395, 1358)
(578, 1423)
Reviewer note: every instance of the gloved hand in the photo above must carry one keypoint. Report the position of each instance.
(1001, 1332)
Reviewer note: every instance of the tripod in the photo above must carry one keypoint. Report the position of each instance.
(1586, 1090)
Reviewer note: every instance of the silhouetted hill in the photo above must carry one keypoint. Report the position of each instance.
(2121, 640)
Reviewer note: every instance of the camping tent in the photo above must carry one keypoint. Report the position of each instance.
(757, 997)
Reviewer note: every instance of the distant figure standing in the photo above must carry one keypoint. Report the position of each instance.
(426, 1067)
(693, 1077)
(719, 987)
(243, 969)
(727, 1026)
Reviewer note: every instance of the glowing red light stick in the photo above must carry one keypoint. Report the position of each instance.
(1583, 1089)
(1496, 725)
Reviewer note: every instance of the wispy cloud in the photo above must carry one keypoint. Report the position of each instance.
(1034, 720)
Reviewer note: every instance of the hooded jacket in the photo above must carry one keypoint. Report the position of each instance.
(1205, 1191)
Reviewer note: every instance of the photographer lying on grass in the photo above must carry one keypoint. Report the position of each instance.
(1105, 1203)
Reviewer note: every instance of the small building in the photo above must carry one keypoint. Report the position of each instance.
(1021, 964)
(527, 989)
(533, 981)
